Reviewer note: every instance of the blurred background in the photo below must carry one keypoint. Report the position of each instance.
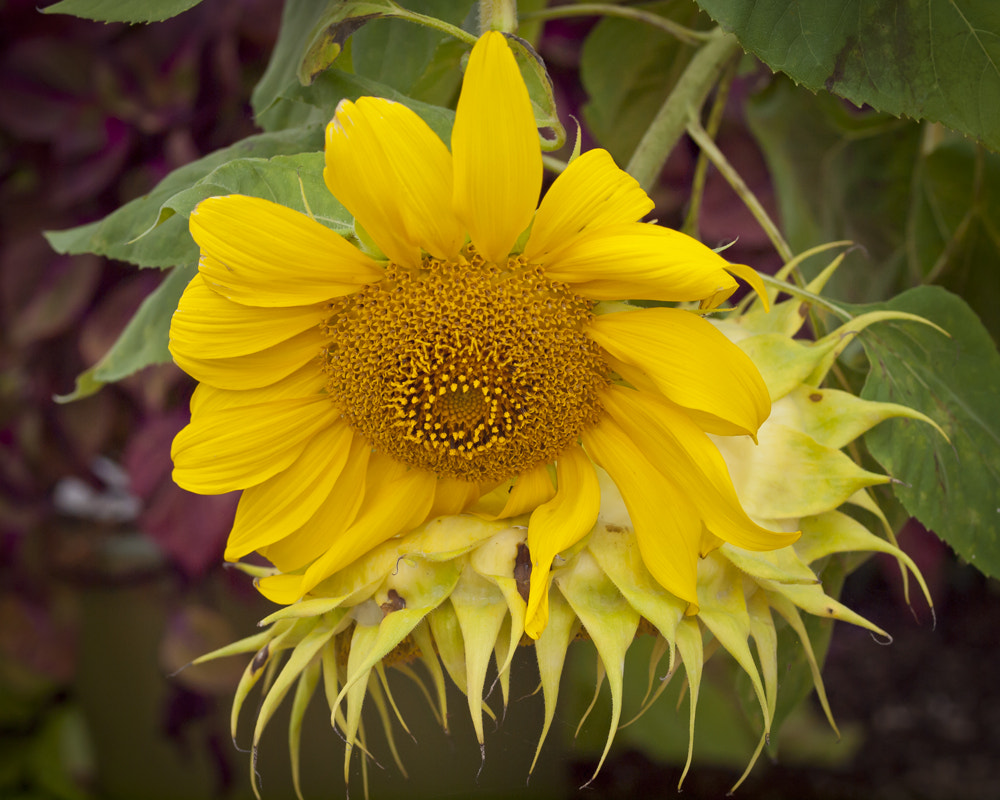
(111, 576)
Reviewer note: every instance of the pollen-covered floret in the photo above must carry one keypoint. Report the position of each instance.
(469, 369)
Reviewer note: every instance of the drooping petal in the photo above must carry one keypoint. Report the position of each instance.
(667, 526)
(640, 261)
(207, 325)
(254, 370)
(497, 156)
(305, 383)
(275, 508)
(681, 451)
(394, 175)
(692, 363)
(531, 489)
(260, 253)
(454, 496)
(752, 277)
(233, 346)
(389, 508)
(333, 516)
(557, 525)
(240, 446)
(591, 193)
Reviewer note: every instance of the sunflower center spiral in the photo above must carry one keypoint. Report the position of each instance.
(469, 369)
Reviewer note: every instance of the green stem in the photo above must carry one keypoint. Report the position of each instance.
(686, 35)
(806, 295)
(690, 225)
(961, 231)
(708, 147)
(435, 23)
(497, 15)
(554, 164)
(690, 92)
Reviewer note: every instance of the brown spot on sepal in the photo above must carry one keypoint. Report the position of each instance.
(816, 396)
(260, 658)
(394, 603)
(522, 571)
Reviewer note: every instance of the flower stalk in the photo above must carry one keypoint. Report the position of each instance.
(690, 93)
(498, 15)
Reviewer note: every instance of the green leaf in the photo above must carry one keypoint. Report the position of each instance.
(398, 52)
(170, 244)
(540, 90)
(390, 57)
(628, 68)
(335, 85)
(951, 487)
(921, 202)
(952, 233)
(840, 175)
(62, 755)
(293, 181)
(927, 59)
(142, 343)
(441, 80)
(297, 19)
(332, 29)
(122, 10)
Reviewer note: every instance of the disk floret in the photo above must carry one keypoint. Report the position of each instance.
(467, 368)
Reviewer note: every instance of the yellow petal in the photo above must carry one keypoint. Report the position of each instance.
(260, 253)
(334, 516)
(530, 490)
(233, 448)
(389, 508)
(592, 192)
(557, 525)
(692, 363)
(394, 175)
(306, 383)
(454, 496)
(639, 261)
(751, 276)
(275, 508)
(233, 346)
(681, 451)
(667, 526)
(709, 542)
(497, 156)
(255, 370)
(278, 587)
(207, 325)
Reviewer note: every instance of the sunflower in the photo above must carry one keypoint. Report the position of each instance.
(468, 358)
(449, 594)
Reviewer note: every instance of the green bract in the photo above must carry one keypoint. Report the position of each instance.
(451, 594)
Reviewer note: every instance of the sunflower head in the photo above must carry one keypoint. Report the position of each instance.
(467, 369)
(459, 438)
(472, 358)
(449, 598)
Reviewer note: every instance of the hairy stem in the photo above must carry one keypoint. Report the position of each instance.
(671, 120)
